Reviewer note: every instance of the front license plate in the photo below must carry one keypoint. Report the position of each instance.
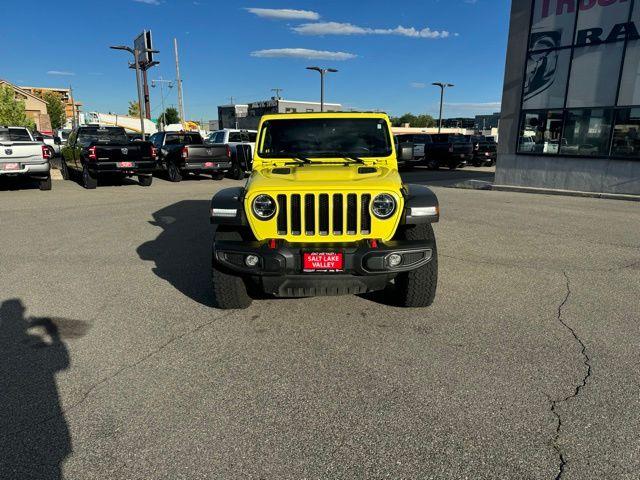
(209, 165)
(125, 164)
(323, 262)
(10, 166)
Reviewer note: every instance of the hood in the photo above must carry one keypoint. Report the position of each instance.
(314, 178)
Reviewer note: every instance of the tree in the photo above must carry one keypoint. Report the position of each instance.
(12, 111)
(419, 121)
(170, 116)
(134, 108)
(55, 109)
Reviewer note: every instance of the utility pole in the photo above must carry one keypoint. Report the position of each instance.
(277, 91)
(74, 122)
(322, 72)
(145, 91)
(442, 87)
(231, 101)
(179, 82)
(169, 83)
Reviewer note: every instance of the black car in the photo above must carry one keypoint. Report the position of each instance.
(94, 151)
(485, 151)
(448, 150)
(180, 153)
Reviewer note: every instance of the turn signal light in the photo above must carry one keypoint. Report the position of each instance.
(154, 152)
(46, 153)
(92, 153)
(185, 152)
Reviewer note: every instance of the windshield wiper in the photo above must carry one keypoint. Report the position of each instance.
(349, 156)
(299, 159)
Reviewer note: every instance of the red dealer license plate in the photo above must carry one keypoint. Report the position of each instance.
(323, 262)
(209, 165)
(125, 164)
(10, 166)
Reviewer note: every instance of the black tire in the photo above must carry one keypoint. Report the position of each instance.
(174, 173)
(417, 288)
(145, 180)
(89, 181)
(217, 176)
(45, 184)
(64, 170)
(229, 291)
(433, 164)
(236, 172)
(453, 166)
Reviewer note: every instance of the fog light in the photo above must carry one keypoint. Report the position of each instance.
(251, 260)
(394, 260)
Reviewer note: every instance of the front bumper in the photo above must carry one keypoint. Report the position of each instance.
(280, 268)
(29, 169)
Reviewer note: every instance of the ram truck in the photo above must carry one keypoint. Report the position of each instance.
(324, 212)
(21, 155)
(180, 153)
(93, 151)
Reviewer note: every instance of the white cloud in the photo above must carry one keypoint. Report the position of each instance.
(148, 2)
(418, 85)
(336, 28)
(284, 13)
(59, 72)
(303, 53)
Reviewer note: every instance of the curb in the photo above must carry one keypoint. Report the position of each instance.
(567, 193)
(56, 175)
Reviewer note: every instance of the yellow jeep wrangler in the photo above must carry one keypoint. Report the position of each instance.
(325, 212)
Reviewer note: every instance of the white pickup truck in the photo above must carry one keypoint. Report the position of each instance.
(22, 155)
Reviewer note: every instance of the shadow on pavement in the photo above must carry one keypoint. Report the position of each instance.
(34, 437)
(182, 251)
(448, 178)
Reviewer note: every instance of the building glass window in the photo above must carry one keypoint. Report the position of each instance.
(630, 82)
(587, 132)
(597, 21)
(546, 79)
(553, 23)
(540, 132)
(626, 133)
(594, 78)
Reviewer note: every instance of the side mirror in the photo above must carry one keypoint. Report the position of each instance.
(405, 152)
(39, 138)
(57, 140)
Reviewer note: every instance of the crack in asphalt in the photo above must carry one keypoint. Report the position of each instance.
(108, 378)
(578, 387)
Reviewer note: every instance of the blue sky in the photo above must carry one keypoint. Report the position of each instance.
(388, 53)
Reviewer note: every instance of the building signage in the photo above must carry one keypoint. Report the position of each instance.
(561, 7)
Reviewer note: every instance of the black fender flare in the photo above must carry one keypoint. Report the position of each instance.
(227, 207)
(420, 205)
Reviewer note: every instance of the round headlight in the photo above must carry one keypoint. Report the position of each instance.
(383, 205)
(264, 207)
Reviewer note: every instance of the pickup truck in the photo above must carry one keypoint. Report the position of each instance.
(420, 142)
(325, 212)
(93, 151)
(180, 153)
(22, 155)
(448, 150)
(242, 144)
(485, 151)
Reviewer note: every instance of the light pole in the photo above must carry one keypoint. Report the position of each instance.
(442, 87)
(169, 83)
(322, 72)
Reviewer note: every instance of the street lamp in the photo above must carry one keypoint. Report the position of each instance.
(442, 87)
(169, 83)
(322, 72)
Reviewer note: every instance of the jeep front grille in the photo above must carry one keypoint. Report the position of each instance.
(321, 214)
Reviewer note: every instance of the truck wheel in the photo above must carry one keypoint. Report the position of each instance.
(217, 176)
(145, 180)
(229, 291)
(45, 184)
(418, 287)
(64, 170)
(174, 173)
(236, 172)
(89, 181)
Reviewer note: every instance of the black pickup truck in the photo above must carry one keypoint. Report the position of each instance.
(95, 150)
(485, 151)
(180, 153)
(448, 150)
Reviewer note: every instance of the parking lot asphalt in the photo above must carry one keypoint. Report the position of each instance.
(114, 365)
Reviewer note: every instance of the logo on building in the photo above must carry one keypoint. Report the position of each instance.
(542, 63)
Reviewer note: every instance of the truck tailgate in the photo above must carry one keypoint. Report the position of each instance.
(131, 152)
(21, 152)
(206, 153)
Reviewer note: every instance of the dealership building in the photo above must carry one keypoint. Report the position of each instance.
(570, 115)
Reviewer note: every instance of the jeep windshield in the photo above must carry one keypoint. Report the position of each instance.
(325, 138)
